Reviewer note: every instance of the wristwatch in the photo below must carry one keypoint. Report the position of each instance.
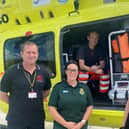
(83, 121)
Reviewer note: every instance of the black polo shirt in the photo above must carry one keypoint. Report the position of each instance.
(71, 102)
(91, 57)
(23, 110)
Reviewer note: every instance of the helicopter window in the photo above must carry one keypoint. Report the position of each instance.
(41, 2)
(109, 1)
(45, 44)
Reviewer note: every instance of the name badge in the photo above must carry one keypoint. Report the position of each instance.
(32, 95)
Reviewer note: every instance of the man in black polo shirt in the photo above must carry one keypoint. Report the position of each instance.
(91, 60)
(90, 56)
(23, 87)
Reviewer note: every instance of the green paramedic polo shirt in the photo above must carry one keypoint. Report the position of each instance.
(71, 102)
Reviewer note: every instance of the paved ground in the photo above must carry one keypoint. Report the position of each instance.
(2, 118)
(48, 125)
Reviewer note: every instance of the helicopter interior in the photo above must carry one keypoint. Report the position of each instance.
(75, 36)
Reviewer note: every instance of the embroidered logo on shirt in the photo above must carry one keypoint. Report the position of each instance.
(39, 78)
(82, 92)
(91, 53)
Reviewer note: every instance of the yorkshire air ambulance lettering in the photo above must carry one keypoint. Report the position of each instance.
(4, 18)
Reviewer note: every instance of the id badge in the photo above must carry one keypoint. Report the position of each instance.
(32, 95)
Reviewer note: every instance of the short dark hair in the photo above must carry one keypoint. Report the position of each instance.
(71, 62)
(68, 63)
(90, 32)
(28, 43)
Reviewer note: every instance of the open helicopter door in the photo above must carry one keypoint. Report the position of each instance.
(119, 66)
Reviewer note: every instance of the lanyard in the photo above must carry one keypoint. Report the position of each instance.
(31, 83)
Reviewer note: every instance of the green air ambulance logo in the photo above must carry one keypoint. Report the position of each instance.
(81, 91)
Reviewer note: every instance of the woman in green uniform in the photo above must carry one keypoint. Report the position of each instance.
(70, 102)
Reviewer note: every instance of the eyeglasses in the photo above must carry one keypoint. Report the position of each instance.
(72, 70)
